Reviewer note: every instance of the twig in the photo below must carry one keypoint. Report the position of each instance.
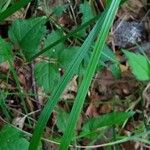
(34, 88)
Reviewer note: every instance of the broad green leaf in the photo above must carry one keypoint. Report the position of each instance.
(67, 55)
(58, 10)
(139, 64)
(61, 121)
(47, 72)
(107, 120)
(27, 34)
(108, 55)
(87, 12)
(12, 139)
(5, 50)
(47, 75)
(56, 50)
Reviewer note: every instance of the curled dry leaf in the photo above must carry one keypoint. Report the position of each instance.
(91, 110)
(132, 8)
(4, 67)
(24, 75)
(19, 121)
(66, 21)
(105, 108)
(41, 95)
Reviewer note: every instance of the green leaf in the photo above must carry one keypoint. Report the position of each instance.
(12, 139)
(56, 50)
(107, 120)
(87, 14)
(5, 51)
(47, 75)
(67, 55)
(62, 118)
(86, 11)
(47, 72)
(58, 10)
(107, 55)
(109, 59)
(27, 34)
(139, 64)
(115, 69)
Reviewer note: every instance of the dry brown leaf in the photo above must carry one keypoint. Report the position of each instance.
(19, 122)
(123, 68)
(91, 110)
(17, 15)
(133, 8)
(4, 67)
(70, 90)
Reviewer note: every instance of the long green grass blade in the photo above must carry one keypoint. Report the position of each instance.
(79, 101)
(53, 100)
(12, 9)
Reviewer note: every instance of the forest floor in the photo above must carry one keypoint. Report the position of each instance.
(114, 88)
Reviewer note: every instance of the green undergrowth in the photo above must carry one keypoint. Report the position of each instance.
(51, 52)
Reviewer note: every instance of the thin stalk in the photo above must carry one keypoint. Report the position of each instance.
(3, 105)
(19, 88)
